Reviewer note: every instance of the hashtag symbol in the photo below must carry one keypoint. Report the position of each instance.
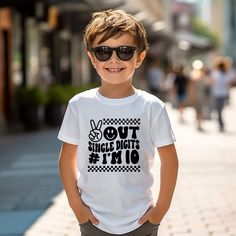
(94, 158)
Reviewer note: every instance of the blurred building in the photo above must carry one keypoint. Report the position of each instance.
(189, 44)
(220, 15)
(5, 65)
(229, 35)
(41, 42)
(20, 40)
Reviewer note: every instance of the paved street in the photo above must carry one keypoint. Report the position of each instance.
(28, 178)
(204, 204)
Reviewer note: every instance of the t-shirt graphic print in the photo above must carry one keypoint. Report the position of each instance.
(114, 145)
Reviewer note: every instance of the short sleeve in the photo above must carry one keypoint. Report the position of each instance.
(161, 130)
(69, 131)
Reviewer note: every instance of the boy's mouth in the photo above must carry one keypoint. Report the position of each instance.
(114, 70)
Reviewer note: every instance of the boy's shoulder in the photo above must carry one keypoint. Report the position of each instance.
(150, 98)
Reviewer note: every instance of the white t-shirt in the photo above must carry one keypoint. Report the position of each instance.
(116, 141)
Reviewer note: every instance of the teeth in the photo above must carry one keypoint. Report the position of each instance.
(114, 69)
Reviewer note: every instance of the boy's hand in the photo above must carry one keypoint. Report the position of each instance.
(153, 215)
(85, 214)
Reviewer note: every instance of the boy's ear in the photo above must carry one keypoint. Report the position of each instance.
(140, 59)
(91, 57)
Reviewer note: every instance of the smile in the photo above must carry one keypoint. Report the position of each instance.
(114, 70)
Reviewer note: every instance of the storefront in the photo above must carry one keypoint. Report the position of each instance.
(5, 66)
(41, 44)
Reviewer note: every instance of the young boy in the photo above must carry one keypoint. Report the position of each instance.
(110, 135)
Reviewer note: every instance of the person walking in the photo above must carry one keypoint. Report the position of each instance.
(220, 85)
(155, 77)
(110, 134)
(181, 82)
(197, 91)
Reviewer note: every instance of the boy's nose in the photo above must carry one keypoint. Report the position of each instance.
(114, 56)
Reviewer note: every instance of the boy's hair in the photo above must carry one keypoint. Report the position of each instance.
(112, 24)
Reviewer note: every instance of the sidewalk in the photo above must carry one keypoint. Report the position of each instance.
(204, 201)
(28, 178)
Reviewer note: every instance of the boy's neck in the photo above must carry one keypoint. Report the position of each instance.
(116, 91)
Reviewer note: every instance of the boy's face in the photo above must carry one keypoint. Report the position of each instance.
(114, 70)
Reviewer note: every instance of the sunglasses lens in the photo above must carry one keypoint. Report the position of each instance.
(125, 53)
(102, 53)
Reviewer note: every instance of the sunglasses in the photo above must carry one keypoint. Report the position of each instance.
(104, 53)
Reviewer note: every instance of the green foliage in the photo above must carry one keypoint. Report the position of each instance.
(61, 94)
(30, 96)
(73, 90)
(202, 29)
(56, 95)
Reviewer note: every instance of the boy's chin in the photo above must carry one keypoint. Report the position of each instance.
(115, 82)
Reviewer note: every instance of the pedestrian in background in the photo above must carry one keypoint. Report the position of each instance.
(110, 135)
(220, 85)
(197, 94)
(207, 95)
(170, 92)
(181, 82)
(231, 70)
(155, 78)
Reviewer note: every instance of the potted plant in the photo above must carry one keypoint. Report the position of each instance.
(30, 101)
(57, 97)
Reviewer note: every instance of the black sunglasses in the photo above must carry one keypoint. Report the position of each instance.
(104, 53)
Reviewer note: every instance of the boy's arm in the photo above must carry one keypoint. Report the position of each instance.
(168, 177)
(68, 173)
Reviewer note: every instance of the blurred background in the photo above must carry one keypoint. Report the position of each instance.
(43, 64)
(41, 46)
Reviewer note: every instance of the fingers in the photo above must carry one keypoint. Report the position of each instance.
(92, 135)
(94, 126)
(95, 133)
(93, 219)
(99, 126)
(88, 216)
(144, 218)
(92, 123)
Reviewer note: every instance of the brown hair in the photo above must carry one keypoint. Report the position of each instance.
(112, 24)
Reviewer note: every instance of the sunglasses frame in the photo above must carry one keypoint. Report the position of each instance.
(116, 49)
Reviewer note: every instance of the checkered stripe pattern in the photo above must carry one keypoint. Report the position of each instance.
(104, 168)
(127, 121)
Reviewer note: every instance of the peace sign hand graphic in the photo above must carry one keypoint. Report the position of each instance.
(95, 134)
